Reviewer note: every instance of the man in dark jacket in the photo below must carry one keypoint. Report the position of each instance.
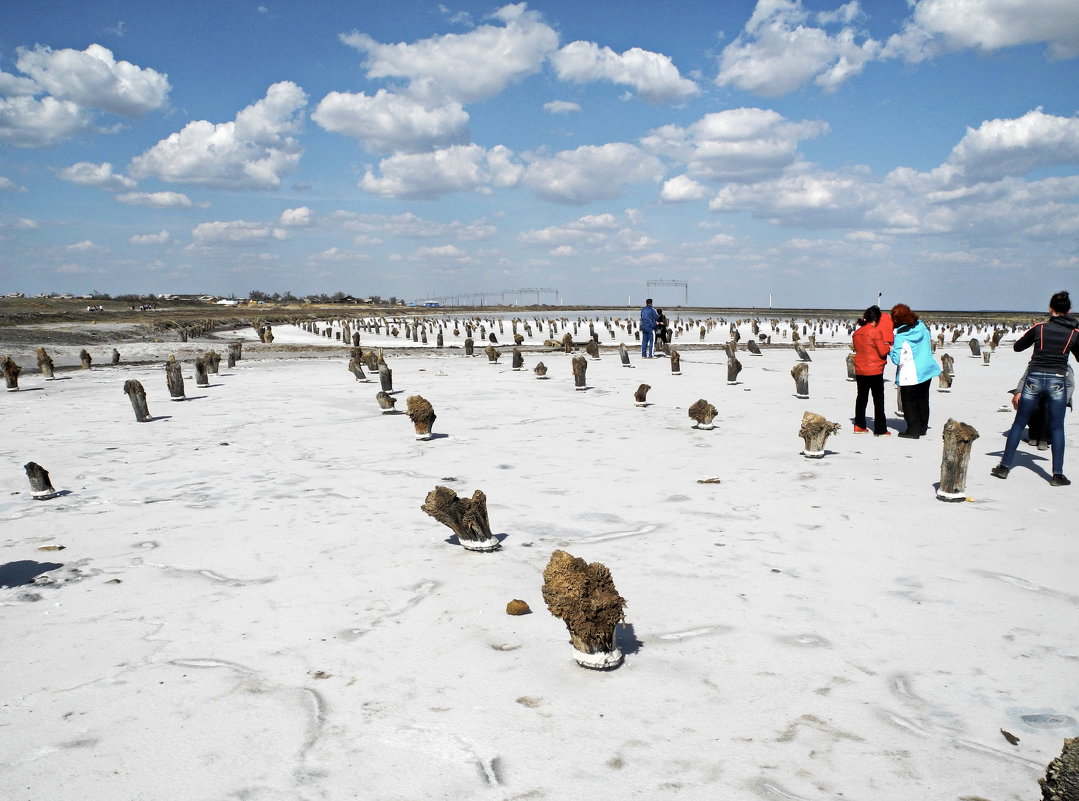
(648, 329)
(1046, 377)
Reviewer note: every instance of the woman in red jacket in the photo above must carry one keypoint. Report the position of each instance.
(872, 342)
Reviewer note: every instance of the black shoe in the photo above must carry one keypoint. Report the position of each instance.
(1000, 471)
(1059, 480)
(1043, 445)
(908, 435)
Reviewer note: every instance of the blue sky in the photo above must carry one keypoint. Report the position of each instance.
(815, 152)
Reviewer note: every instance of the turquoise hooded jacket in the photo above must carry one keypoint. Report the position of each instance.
(913, 355)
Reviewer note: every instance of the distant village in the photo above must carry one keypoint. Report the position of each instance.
(256, 298)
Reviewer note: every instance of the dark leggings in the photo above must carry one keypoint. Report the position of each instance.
(916, 407)
(866, 385)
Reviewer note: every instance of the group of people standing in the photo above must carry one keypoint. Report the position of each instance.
(654, 328)
(904, 340)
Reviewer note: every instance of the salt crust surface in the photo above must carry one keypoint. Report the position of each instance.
(251, 604)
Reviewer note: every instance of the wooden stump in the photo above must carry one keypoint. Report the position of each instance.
(385, 401)
(944, 381)
(623, 354)
(958, 438)
(465, 517)
(518, 359)
(584, 597)
(641, 395)
(734, 367)
(803, 354)
(470, 347)
(11, 373)
(851, 374)
(975, 347)
(235, 352)
(385, 377)
(422, 415)
(41, 488)
(592, 349)
(985, 357)
(814, 432)
(115, 356)
(202, 376)
(84, 358)
(580, 367)
(492, 354)
(440, 341)
(540, 370)
(703, 414)
(213, 362)
(492, 338)
(567, 342)
(800, 372)
(356, 369)
(137, 395)
(753, 347)
(44, 363)
(370, 361)
(947, 363)
(175, 379)
(676, 362)
(1061, 782)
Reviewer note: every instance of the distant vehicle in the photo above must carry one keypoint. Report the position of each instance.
(432, 304)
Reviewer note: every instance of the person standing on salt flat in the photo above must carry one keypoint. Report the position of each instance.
(870, 353)
(1046, 377)
(648, 329)
(916, 367)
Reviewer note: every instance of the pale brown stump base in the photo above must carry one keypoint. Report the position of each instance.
(958, 439)
(814, 432)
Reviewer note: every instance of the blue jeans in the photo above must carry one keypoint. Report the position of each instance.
(1037, 385)
(648, 339)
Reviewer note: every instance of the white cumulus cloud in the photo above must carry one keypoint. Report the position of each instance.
(7, 185)
(464, 67)
(251, 152)
(387, 122)
(300, 217)
(591, 172)
(561, 107)
(682, 188)
(653, 76)
(780, 51)
(28, 122)
(101, 176)
(159, 238)
(156, 200)
(462, 168)
(236, 232)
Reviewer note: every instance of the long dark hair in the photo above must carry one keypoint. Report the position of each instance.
(872, 315)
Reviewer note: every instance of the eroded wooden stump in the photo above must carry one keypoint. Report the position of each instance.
(944, 381)
(584, 597)
(385, 400)
(800, 372)
(385, 377)
(641, 395)
(676, 362)
(492, 354)
(115, 356)
(11, 373)
(518, 360)
(356, 369)
(958, 438)
(465, 517)
(592, 349)
(985, 357)
(703, 414)
(236, 350)
(814, 432)
(85, 359)
(213, 362)
(470, 347)
(734, 367)
(175, 379)
(975, 347)
(623, 355)
(753, 347)
(852, 375)
(580, 369)
(41, 488)
(540, 370)
(202, 375)
(1061, 782)
(567, 342)
(803, 354)
(44, 363)
(137, 395)
(422, 415)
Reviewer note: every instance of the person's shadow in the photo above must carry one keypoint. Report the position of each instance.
(15, 574)
(1028, 460)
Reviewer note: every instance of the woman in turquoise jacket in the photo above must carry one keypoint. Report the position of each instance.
(912, 354)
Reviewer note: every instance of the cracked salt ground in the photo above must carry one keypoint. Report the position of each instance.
(881, 660)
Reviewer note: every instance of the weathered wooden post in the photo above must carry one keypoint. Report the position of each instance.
(814, 432)
(422, 415)
(985, 357)
(492, 354)
(137, 395)
(440, 341)
(518, 359)
(623, 354)
(975, 347)
(356, 369)
(235, 352)
(213, 362)
(734, 367)
(85, 359)
(183, 334)
(1061, 782)
(567, 342)
(11, 373)
(44, 363)
(944, 381)
(202, 378)
(958, 438)
(753, 347)
(640, 397)
(584, 596)
(175, 379)
(540, 370)
(676, 362)
(41, 488)
(115, 356)
(592, 349)
(851, 374)
(370, 361)
(580, 367)
(385, 377)
(803, 354)
(267, 335)
(470, 347)
(998, 335)
(465, 517)
(947, 363)
(356, 338)
(800, 372)
(386, 401)
(703, 413)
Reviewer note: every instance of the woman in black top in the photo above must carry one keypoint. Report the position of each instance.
(1046, 377)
